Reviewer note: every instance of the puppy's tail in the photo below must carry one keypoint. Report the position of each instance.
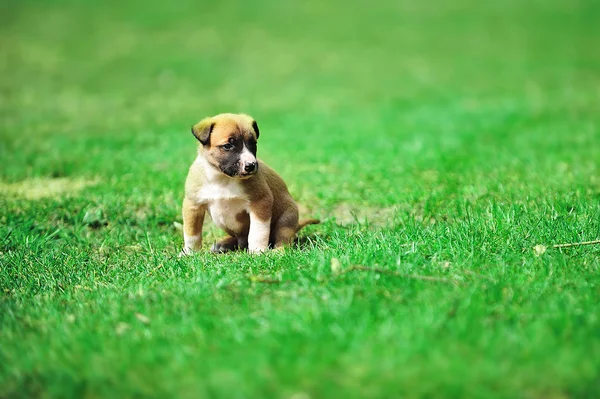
(305, 222)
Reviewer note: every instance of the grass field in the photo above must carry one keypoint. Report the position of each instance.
(441, 139)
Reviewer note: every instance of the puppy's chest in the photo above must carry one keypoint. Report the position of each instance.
(226, 202)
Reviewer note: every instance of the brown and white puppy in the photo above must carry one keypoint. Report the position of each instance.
(241, 193)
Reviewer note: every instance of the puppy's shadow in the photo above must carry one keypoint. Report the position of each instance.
(308, 241)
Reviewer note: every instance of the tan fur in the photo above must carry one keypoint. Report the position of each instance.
(255, 209)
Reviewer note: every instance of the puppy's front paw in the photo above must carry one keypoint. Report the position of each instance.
(256, 251)
(185, 252)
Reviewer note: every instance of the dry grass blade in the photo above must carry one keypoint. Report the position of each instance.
(576, 244)
(142, 318)
(403, 275)
(264, 280)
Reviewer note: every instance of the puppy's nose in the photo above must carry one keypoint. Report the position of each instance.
(250, 167)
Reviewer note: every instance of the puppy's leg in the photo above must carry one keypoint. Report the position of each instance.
(285, 229)
(260, 225)
(225, 245)
(193, 217)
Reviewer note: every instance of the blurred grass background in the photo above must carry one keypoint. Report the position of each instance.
(418, 79)
(444, 138)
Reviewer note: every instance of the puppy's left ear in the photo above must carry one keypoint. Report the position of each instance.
(255, 127)
(203, 129)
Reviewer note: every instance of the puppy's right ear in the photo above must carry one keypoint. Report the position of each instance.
(203, 129)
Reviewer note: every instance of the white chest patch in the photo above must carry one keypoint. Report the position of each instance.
(225, 200)
(223, 190)
(224, 213)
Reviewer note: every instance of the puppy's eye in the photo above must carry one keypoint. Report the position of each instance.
(227, 146)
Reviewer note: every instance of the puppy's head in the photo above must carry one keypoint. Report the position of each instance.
(228, 142)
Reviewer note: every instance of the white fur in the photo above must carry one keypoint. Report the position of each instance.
(192, 242)
(246, 156)
(224, 212)
(221, 190)
(258, 238)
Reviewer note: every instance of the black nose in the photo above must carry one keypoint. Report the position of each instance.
(250, 167)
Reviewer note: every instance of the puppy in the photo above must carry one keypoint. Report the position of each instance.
(241, 193)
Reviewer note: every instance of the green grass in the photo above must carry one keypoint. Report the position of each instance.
(440, 139)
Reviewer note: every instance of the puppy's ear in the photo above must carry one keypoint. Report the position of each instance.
(255, 127)
(203, 129)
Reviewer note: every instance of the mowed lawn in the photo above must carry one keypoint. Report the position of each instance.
(446, 146)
